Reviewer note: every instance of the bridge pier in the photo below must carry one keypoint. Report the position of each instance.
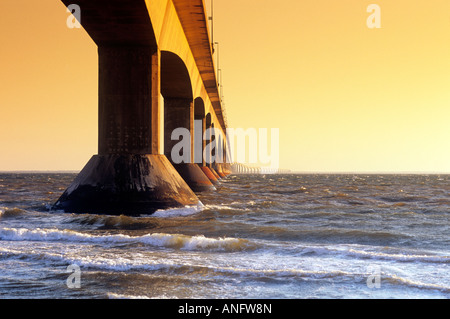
(179, 113)
(128, 176)
(154, 59)
(211, 176)
(126, 184)
(219, 170)
(213, 171)
(222, 167)
(226, 168)
(212, 164)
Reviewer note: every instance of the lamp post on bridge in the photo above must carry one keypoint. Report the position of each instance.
(218, 61)
(211, 18)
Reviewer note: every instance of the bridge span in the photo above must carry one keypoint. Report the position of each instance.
(156, 74)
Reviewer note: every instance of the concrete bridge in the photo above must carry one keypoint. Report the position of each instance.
(243, 169)
(156, 74)
(238, 168)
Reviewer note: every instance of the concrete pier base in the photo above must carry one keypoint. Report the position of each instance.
(210, 175)
(219, 170)
(126, 184)
(226, 168)
(215, 173)
(195, 177)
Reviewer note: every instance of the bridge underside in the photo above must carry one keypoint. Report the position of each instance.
(132, 173)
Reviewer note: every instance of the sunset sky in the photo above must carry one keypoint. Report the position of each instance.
(345, 97)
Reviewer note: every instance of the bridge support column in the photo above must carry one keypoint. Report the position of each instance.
(126, 184)
(217, 176)
(129, 175)
(210, 162)
(228, 169)
(211, 176)
(206, 167)
(218, 167)
(178, 113)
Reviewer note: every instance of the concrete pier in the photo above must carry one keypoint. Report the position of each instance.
(194, 176)
(127, 177)
(156, 74)
(212, 177)
(126, 184)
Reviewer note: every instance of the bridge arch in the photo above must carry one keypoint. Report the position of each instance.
(175, 77)
(176, 90)
(199, 109)
(179, 112)
(208, 120)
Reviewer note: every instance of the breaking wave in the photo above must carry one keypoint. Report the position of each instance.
(179, 212)
(175, 241)
(11, 212)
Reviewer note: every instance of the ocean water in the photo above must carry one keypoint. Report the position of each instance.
(258, 236)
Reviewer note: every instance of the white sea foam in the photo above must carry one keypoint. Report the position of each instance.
(398, 280)
(109, 262)
(135, 262)
(367, 252)
(179, 212)
(398, 257)
(177, 241)
(177, 266)
(220, 207)
(280, 273)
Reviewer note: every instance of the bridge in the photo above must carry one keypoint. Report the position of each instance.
(156, 74)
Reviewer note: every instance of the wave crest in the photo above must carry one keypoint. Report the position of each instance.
(174, 241)
(11, 212)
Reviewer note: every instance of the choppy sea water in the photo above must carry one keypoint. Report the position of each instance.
(257, 236)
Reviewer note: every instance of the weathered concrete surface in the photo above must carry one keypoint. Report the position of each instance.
(176, 115)
(126, 184)
(226, 169)
(219, 170)
(210, 175)
(215, 173)
(125, 99)
(195, 177)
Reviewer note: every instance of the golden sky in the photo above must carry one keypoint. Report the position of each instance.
(346, 98)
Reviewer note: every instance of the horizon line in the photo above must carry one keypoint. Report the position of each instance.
(293, 172)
